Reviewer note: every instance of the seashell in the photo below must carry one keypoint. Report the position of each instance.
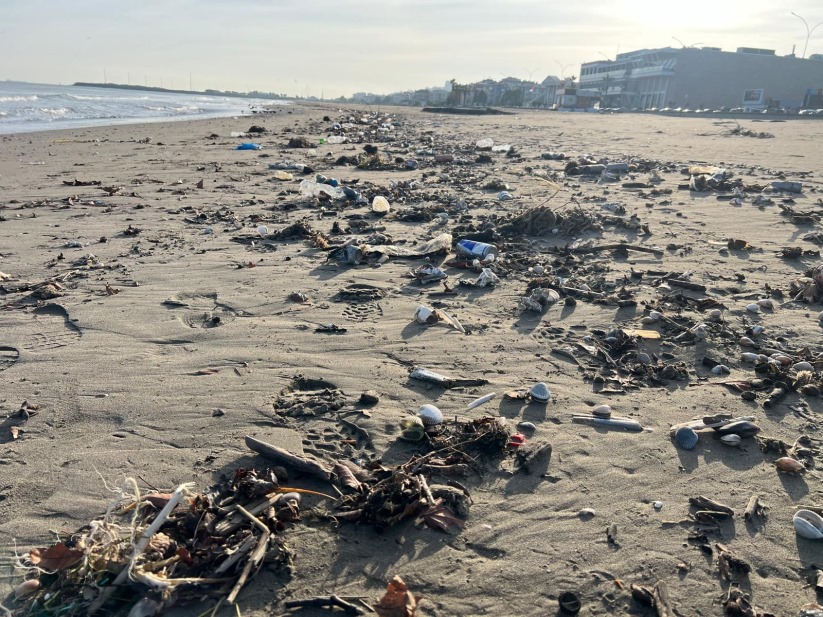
(744, 428)
(721, 369)
(715, 314)
(787, 464)
(647, 321)
(686, 438)
(820, 316)
(26, 588)
(569, 603)
(602, 411)
(411, 422)
(732, 440)
(803, 366)
(700, 331)
(758, 330)
(285, 498)
(767, 303)
(528, 426)
(430, 415)
(263, 231)
(413, 433)
(644, 358)
(587, 512)
(538, 270)
(782, 359)
(657, 505)
(745, 341)
(754, 307)
(656, 315)
(540, 392)
(808, 524)
(748, 356)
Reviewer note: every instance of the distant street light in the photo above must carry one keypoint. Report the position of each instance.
(563, 68)
(808, 32)
(605, 56)
(532, 72)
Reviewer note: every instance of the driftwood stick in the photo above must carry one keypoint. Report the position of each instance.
(662, 600)
(232, 559)
(284, 457)
(255, 559)
(619, 245)
(686, 284)
(326, 602)
(256, 521)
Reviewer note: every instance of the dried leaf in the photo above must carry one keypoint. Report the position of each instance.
(54, 558)
(398, 601)
(441, 517)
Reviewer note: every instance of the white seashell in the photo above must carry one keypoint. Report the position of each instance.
(766, 303)
(263, 231)
(430, 415)
(803, 366)
(721, 369)
(758, 330)
(586, 512)
(647, 321)
(745, 341)
(656, 315)
(748, 356)
(808, 524)
(657, 505)
(753, 307)
(481, 400)
(700, 331)
(411, 422)
(540, 392)
(529, 426)
(538, 270)
(602, 411)
(732, 440)
(715, 314)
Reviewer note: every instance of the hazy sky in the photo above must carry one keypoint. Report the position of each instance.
(343, 46)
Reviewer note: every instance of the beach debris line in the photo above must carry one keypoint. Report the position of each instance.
(170, 547)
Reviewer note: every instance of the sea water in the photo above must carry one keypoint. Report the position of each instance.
(28, 107)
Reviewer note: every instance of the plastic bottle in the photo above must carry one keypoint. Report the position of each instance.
(336, 139)
(314, 189)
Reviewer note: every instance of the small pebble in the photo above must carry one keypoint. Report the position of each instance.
(658, 505)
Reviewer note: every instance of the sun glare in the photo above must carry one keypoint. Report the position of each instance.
(670, 18)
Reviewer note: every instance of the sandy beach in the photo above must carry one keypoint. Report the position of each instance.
(149, 326)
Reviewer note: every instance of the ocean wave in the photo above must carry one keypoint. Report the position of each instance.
(60, 111)
(12, 99)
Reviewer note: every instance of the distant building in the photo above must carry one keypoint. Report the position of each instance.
(698, 78)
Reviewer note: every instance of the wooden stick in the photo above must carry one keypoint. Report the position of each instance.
(326, 602)
(255, 559)
(279, 455)
(686, 284)
(607, 247)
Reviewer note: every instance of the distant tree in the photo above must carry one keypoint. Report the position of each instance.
(481, 98)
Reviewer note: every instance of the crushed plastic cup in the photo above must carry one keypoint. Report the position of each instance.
(282, 175)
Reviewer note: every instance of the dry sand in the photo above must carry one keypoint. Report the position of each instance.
(116, 379)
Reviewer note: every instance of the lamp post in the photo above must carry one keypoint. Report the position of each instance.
(808, 31)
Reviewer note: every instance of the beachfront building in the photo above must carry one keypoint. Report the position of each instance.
(507, 92)
(702, 78)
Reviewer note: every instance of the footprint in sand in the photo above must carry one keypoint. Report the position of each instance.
(54, 329)
(202, 310)
(8, 356)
